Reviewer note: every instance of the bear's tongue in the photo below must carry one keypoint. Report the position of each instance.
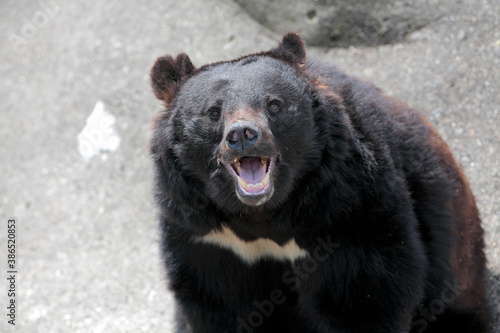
(252, 170)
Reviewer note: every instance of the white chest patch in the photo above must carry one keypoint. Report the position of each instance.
(253, 251)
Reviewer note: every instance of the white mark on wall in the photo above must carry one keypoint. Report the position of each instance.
(98, 137)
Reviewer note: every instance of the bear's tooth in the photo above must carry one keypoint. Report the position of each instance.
(236, 160)
(243, 183)
(254, 186)
(263, 161)
(265, 180)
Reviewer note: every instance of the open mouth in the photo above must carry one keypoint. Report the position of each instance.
(252, 174)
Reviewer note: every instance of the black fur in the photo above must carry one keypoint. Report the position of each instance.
(362, 182)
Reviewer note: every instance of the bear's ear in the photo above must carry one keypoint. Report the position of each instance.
(167, 74)
(291, 49)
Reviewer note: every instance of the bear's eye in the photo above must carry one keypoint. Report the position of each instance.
(214, 113)
(274, 106)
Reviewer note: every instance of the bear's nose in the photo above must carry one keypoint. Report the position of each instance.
(242, 135)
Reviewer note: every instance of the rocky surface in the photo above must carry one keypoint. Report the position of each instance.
(343, 23)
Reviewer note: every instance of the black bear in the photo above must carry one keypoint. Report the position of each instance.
(296, 198)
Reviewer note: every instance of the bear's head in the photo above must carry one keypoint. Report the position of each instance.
(241, 131)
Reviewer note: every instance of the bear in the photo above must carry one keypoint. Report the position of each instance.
(293, 197)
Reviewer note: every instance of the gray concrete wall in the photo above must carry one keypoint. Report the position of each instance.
(87, 254)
